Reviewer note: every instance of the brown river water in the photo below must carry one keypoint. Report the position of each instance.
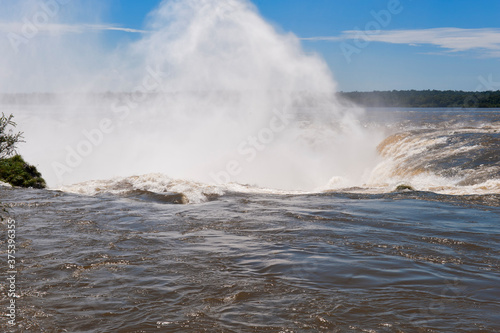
(113, 256)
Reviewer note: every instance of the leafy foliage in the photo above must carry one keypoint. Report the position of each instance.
(14, 170)
(8, 139)
(17, 172)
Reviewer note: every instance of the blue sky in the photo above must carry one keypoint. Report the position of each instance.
(432, 61)
(368, 44)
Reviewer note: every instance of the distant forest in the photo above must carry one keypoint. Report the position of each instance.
(394, 98)
(425, 98)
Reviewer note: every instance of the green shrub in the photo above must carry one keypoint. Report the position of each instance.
(8, 139)
(17, 172)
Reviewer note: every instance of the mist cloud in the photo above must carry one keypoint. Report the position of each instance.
(209, 91)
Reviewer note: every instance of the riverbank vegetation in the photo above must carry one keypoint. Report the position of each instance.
(424, 98)
(13, 169)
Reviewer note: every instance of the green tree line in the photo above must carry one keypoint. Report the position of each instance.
(393, 98)
(424, 98)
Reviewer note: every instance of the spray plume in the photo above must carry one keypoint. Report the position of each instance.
(211, 92)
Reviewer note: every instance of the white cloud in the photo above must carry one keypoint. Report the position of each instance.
(325, 38)
(451, 39)
(17, 27)
(116, 28)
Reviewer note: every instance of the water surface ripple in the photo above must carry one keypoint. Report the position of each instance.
(332, 262)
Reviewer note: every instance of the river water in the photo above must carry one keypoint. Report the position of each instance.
(126, 255)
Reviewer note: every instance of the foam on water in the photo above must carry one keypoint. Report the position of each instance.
(5, 184)
(156, 183)
(449, 161)
(195, 192)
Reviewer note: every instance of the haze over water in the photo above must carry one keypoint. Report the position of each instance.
(216, 95)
